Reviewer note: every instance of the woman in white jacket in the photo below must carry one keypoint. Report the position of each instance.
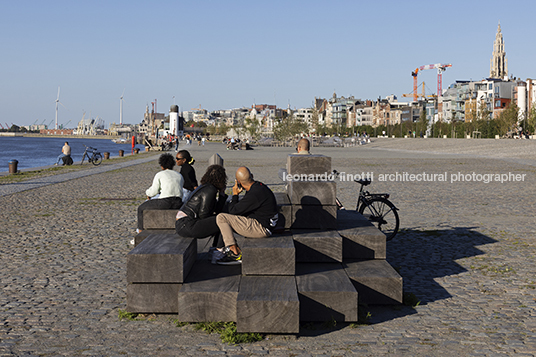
(168, 183)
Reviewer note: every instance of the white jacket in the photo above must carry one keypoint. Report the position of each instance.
(167, 183)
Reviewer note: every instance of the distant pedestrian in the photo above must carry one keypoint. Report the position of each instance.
(65, 151)
(203, 139)
(177, 143)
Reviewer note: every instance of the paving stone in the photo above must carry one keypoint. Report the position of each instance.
(67, 255)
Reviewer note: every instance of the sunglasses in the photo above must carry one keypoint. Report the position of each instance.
(179, 158)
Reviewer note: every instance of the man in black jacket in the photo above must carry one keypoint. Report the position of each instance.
(254, 216)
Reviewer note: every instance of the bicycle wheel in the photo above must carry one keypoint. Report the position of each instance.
(382, 213)
(97, 159)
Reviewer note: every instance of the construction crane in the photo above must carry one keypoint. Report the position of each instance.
(440, 69)
(1, 126)
(420, 95)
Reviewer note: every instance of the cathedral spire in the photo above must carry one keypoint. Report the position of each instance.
(499, 62)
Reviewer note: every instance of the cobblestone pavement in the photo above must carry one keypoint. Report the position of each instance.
(466, 251)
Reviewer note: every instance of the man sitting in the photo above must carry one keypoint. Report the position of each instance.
(254, 216)
(65, 151)
(302, 149)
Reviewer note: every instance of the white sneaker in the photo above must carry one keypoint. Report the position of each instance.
(132, 241)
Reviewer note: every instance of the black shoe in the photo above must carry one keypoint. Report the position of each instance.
(230, 258)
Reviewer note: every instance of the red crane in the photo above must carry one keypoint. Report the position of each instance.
(440, 69)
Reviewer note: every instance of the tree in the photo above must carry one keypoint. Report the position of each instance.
(289, 127)
(507, 120)
(253, 127)
(423, 122)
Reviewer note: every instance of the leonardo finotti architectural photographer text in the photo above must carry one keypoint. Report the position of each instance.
(412, 177)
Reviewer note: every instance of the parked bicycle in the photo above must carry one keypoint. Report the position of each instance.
(377, 208)
(93, 156)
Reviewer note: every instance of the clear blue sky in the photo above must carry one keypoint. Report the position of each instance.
(228, 54)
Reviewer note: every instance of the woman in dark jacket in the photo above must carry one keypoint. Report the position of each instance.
(197, 216)
(185, 162)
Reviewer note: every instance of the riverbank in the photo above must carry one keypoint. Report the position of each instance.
(466, 251)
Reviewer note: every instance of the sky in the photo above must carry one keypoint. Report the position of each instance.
(232, 54)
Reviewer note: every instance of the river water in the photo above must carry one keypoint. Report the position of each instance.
(42, 151)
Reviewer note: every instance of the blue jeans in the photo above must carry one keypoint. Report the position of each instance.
(61, 156)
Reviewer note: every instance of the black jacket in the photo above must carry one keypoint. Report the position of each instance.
(202, 202)
(258, 203)
(188, 173)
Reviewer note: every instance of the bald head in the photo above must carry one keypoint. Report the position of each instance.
(303, 145)
(244, 176)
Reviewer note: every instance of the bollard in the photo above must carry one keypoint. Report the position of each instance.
(121, 153)
(13, 166)
(136, 151)
(106, 155)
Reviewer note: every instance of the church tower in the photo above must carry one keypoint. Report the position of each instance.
(499, 62)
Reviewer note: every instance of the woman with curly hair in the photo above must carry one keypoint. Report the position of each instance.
(197, 216)
(185, 161)
(168, 183)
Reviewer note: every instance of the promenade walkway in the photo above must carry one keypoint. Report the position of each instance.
(466, 251)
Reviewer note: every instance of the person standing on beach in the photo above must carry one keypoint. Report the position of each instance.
(65, 151)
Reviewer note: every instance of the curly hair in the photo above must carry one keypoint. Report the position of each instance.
(167, 161)
(187, 156)
(216, 176)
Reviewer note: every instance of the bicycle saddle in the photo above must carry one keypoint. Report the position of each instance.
(364, 182)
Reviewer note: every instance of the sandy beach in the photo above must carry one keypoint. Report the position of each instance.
(466, 250)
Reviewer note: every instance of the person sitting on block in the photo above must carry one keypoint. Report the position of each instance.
(254, 216)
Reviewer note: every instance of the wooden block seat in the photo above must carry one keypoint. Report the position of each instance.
(209, 293)
(138, 238)
(159, 219)
(361, 239)
(153, 298)
(326, 293)
(316, 193)
(268, 304)
(274, 255)
(376, 281)
(161, 258)
(317, 246)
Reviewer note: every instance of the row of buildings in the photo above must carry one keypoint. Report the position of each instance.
(461, 101)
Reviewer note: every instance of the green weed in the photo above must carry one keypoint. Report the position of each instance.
(126, 315)
(227, 331)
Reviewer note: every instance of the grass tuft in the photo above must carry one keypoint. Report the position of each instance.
(227, 331)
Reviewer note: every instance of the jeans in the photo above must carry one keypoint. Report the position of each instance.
(62, 155)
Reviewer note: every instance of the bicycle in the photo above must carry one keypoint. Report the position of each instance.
(377, 208)
(95, 158)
